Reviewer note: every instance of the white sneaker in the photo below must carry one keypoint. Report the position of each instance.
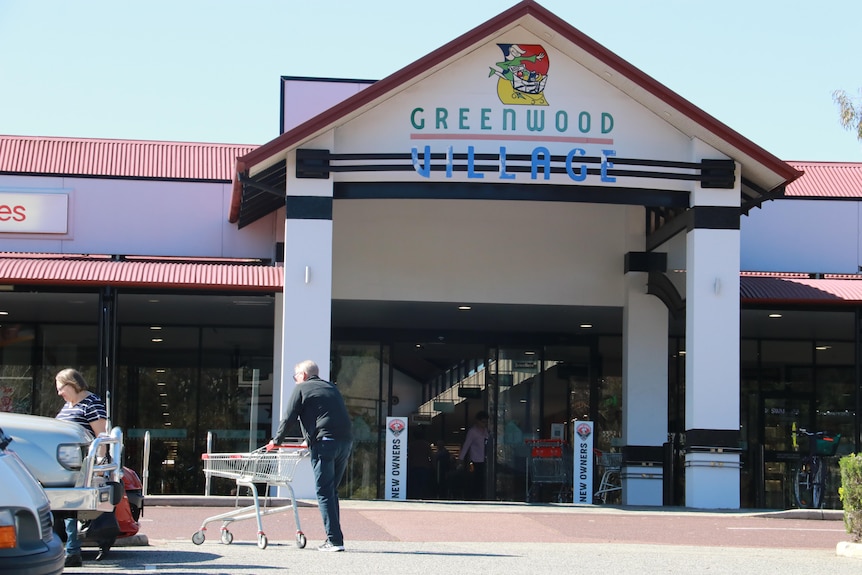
(329, 546)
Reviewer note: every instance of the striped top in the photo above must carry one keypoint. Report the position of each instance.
(88, 410)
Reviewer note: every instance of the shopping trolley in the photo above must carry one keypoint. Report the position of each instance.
(610, 464)
(548, 464)
(275, 467)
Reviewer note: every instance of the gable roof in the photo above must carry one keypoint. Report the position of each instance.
(763, 171)
(130, 159)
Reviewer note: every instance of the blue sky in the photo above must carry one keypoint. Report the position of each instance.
(208, 70)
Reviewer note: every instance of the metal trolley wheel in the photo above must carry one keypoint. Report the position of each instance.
(261, 540)
(199, 537)
(226, 537)
(300, 539)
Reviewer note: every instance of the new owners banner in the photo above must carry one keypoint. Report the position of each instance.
(583, 457)
(396, 458)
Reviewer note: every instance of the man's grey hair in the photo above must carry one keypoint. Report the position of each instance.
(307, 367)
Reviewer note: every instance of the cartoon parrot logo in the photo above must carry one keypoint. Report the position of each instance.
(522, 75)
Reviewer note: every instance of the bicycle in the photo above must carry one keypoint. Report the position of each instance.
(809, 478)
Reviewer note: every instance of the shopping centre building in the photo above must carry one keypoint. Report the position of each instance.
(519, 222)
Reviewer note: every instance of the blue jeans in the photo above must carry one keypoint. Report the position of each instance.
(329, 461)
(73, 545)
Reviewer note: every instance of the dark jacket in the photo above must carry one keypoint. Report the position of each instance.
(321, 410)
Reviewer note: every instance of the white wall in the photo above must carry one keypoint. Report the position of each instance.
(802, 236)
(137, 217)
(462, 250)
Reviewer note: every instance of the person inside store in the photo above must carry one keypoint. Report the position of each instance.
(472, 456)
(326, 426)
(87, 409)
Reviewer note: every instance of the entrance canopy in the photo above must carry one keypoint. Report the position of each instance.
(524, 98)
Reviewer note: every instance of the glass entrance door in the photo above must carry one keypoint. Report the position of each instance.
(781, 413)
(539, 392)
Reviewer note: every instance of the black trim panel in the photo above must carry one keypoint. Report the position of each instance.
(714, 218)
(473, 191)
(308, 208)
(712, 439)
(643, 454)
(645, 262)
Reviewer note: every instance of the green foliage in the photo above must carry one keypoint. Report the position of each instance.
(851, 493)
(850, 111)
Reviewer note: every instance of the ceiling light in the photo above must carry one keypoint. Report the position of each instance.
(529, 352)
(4, 313)
(155, 327)
(464, 307)
(161, 383)
(775, 315)
(586, 325)
(823, 347)
(157, 340)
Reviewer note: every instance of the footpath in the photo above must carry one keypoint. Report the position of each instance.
(446, 538)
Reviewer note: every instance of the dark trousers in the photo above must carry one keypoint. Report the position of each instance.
(329, 461)
(476, 482)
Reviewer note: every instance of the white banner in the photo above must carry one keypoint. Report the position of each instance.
(583, 458)
(396, 458)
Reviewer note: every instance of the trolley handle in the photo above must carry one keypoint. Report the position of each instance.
(276, 447)
(803, 431)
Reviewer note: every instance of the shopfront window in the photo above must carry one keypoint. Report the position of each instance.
(195, 384)
(17, 342)
(789, 384)
(358, 371)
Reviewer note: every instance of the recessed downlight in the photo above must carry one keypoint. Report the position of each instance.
(464, 308)
(586, 325)
(775, 315)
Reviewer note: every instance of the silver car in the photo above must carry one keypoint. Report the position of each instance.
(28, 543)
(65, 460)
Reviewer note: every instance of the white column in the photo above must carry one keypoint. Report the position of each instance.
(306, 327)
(645, 373)
(712, 392)
(307, 315)
(712, 364)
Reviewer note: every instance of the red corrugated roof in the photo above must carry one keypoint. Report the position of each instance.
(59, 269)
(827, 180)
(119, 158)
(800, 288)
